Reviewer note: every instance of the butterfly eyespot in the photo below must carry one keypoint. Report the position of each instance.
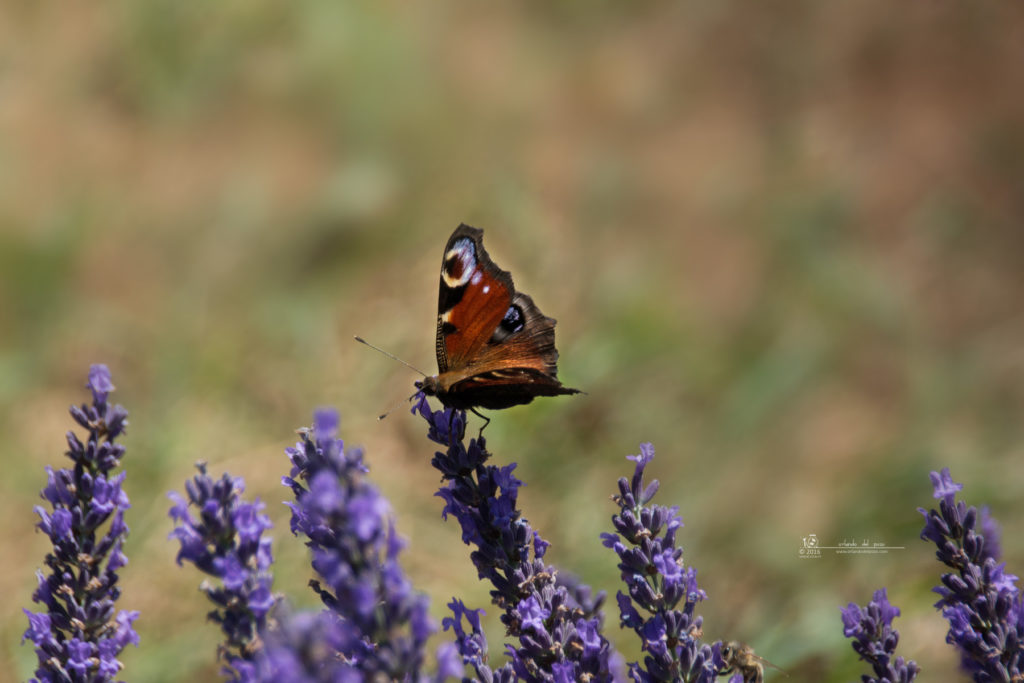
(513, 321)
(460, 264)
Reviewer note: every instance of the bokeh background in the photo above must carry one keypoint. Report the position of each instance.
(783, 242)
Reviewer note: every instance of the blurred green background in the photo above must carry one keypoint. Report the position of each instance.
(783, 242)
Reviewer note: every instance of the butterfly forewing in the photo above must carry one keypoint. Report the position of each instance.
(472, 299)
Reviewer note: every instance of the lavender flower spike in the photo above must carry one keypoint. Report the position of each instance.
(79, 636)
(875, 640)
(382, 624)
(652, 568)
(303, 647)
(225, 540)
(558, 636)
(979, 599)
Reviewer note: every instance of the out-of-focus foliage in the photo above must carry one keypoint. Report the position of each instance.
(782, 241)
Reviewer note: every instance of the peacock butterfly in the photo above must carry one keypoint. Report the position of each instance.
(495, 349)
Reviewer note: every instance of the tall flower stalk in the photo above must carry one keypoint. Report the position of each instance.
(556, 637)
(382, 624)
(875, 640)
(224, 539)
(80, 634)
(979, 599)
(662, 592)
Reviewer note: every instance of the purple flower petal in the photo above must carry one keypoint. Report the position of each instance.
(943, 484)
(99, 382)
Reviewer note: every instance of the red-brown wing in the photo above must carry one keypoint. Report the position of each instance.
(524, 338)
(473, 299)
(518, 362)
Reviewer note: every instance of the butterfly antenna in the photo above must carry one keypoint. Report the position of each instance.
(391, 356)
(392, 408)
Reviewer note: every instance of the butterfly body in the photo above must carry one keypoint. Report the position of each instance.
(495, 349)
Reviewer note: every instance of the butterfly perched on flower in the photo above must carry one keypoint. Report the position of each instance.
(495, 349)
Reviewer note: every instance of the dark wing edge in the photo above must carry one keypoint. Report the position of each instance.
(497, 389)
(449, 297)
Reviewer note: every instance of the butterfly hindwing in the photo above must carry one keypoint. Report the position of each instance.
(524, 338)
(497, 389)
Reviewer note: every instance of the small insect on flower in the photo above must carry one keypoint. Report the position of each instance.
(741, 658)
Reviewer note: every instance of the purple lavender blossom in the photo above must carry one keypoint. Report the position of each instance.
(472, 645)
(979, 599)
(652, 568)
(80, 635)
(301, 647)
(875, 640)
(225, 540)
(558, 639)
(383, 625)
(304, 647)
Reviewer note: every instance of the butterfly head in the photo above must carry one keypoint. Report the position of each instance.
(428, 385)
(436, 385)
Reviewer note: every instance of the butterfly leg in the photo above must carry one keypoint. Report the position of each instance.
(486, 420)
